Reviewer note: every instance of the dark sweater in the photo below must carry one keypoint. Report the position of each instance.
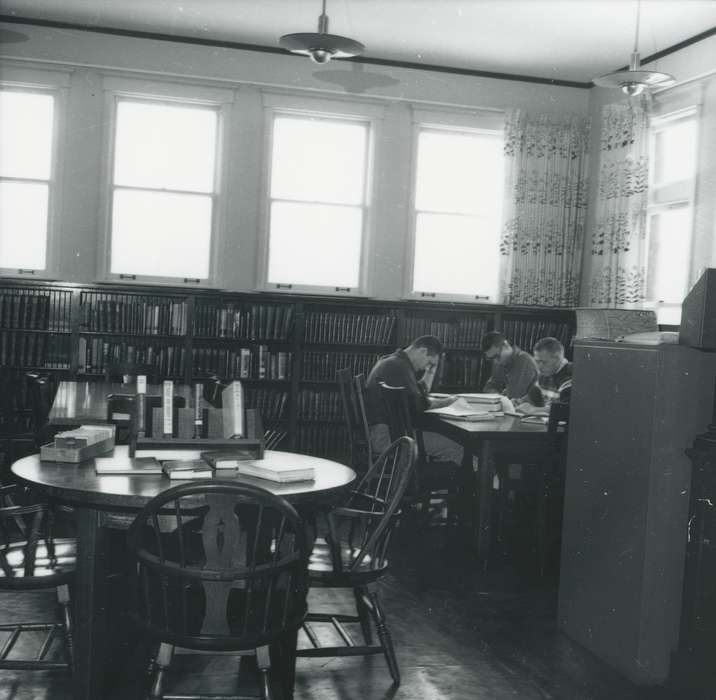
(555, 387)
(395, 370)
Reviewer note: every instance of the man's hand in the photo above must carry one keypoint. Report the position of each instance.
(528, 409)
(440, 403)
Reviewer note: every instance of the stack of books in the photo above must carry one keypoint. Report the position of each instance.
(187, 469)
(485, 402)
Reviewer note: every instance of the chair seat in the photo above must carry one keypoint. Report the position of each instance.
(320, 566)
(45, 572)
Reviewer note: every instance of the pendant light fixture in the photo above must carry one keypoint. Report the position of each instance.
(321, 46)
(633, 81)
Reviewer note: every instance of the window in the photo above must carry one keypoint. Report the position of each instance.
(163, 189)
(458, 212)
(670, 212)
(317, 201)
(27, 119)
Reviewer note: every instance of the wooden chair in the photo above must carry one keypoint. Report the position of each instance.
(353, 400)
(41, 392)
(31, 559)
(221, 567)
(437, 484)
(355, 555)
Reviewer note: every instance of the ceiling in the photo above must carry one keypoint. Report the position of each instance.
(566, 40)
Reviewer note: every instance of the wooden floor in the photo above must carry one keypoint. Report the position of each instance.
(460, 635)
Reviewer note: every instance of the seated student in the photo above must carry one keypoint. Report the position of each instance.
(513, 370)
(401, 369)
(555, 378)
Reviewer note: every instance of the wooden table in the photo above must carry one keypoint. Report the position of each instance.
(481, 439)
(85, 402)
(111, 501)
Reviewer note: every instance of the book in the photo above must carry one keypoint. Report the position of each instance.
(137, 466)
(227, 459)
(281, 470)
(187, 469)
(462, 410)
(232, 401)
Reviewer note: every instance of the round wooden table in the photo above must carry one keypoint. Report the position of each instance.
(103, 502)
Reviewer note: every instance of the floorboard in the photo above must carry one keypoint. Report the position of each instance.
(460, 634)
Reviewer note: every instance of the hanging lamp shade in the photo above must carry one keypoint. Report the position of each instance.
(321, 46)
(634, 80)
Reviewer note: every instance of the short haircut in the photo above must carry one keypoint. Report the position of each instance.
(550, 345)
(432, 344)
(492, 340)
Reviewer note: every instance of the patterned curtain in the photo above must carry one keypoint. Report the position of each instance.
(546, 201)
(618, 245)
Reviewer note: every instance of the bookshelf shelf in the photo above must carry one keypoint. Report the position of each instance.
(298, 342)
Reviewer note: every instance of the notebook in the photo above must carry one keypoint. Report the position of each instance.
(187, 469)
(127, 466)
(281, 469)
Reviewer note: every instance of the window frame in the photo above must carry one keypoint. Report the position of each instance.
(220, 100)
(672, 194)
(55, 83)
(488, 122)
(368, 114)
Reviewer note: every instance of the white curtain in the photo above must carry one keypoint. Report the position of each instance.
(546, 201)
(618, 243)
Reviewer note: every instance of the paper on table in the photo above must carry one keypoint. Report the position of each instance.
(463, 410)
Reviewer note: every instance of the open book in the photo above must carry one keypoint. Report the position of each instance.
(462, 410)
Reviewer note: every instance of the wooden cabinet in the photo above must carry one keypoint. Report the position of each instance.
(635, 410)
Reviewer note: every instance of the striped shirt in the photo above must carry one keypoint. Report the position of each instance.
(555, 387)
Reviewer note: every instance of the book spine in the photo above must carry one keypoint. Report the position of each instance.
(167, 407)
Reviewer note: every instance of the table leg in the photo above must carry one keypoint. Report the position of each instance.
(486, 475)
(90, 606)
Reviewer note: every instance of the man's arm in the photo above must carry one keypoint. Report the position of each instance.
(498, 380)
(523, 375)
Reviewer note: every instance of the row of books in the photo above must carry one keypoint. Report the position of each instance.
(463, 333)
(525, 334)
(31, 311)
(459, 371)
(272, 404)
(132, 314)
(18, 349)
(322, 366)
(330, 327)
(320, 405)
(328, 441)
(256, 362)
(95, 355)
(249, 321)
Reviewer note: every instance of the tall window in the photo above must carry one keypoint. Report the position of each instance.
(26, 151)
(458, 210)
(317, 201)
(670, 213)
(163, 189)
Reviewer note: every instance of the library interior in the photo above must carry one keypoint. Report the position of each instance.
(344, 356)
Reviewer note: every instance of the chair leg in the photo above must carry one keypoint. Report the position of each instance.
(161, 665)
(63, 598)
(263, 661)
(363, 614)
(371, 601)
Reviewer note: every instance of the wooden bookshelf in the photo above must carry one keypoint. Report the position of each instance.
(284, 348)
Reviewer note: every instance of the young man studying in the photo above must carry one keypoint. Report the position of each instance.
(513, 370)
(401, 369)
(554, 382)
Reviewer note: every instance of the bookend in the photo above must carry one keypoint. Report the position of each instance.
(208, 437)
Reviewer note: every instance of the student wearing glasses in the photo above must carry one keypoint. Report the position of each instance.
(513, 370)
